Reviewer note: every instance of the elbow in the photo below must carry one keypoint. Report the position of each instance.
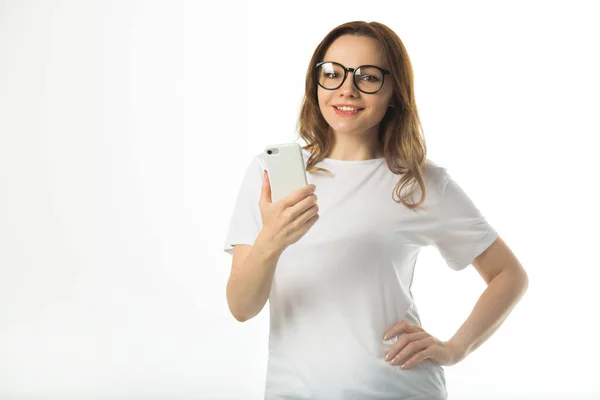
(236, 314)
(239, 318)
(525, 281)
(521, 281)
(523, 278)
(234, 309)
(519, 277)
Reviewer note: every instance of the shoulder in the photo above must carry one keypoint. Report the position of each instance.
(435, 175)
(258, 161)
(254, 167)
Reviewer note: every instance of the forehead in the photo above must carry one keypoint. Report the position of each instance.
(353, 51)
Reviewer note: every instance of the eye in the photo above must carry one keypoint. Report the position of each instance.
(371, 78)
(327, 74)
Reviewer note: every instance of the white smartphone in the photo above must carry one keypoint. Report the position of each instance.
(287, 172)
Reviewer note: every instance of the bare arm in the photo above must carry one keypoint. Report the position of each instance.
(507, 282)
(253, 268)
(251, 277)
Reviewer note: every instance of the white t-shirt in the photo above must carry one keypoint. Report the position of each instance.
(339, 288)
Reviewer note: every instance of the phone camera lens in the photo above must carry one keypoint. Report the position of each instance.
(269, 151)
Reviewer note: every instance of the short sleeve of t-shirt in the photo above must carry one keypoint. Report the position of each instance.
(246, 222)
(462, 232)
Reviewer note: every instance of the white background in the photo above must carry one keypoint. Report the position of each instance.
(125, 131)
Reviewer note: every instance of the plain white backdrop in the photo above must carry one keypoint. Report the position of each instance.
(125, 131)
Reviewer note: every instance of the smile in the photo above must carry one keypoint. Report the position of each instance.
(349, 112)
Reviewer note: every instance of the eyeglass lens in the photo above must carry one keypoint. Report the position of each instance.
(368, 79)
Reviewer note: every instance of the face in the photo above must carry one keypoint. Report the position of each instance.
(354, 51)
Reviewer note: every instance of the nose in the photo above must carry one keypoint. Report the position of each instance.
(348, 87)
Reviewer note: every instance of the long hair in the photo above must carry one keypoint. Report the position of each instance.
(400, 130)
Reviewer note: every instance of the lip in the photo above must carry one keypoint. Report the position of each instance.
(339, 112)
(349, 105)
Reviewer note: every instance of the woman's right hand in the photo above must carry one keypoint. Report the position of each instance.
(288, 219)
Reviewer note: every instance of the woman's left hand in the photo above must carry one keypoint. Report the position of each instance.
(415, 345)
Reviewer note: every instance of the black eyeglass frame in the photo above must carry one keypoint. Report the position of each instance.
(384, 72)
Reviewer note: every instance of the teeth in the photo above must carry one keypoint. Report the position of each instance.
(346, 108)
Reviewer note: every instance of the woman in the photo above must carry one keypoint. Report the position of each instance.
(343, 324)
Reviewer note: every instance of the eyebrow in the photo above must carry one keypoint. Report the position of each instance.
(356, 66)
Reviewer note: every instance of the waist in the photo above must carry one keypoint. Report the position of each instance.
(334, 375)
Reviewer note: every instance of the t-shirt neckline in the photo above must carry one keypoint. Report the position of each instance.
(348, 162)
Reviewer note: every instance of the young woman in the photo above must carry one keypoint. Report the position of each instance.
(338, 274)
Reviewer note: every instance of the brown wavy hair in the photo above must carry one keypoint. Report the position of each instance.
(400, 130)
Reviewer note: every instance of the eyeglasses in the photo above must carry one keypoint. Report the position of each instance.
(367, 78)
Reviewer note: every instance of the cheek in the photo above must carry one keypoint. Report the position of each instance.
(382, 106)
(323, 100)
(378, 108)
(321, 97)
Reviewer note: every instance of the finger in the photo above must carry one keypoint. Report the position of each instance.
(417, 358)
(402, 327)
(411, 349)
(265, 194)
(298, 195)
(406, 345)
